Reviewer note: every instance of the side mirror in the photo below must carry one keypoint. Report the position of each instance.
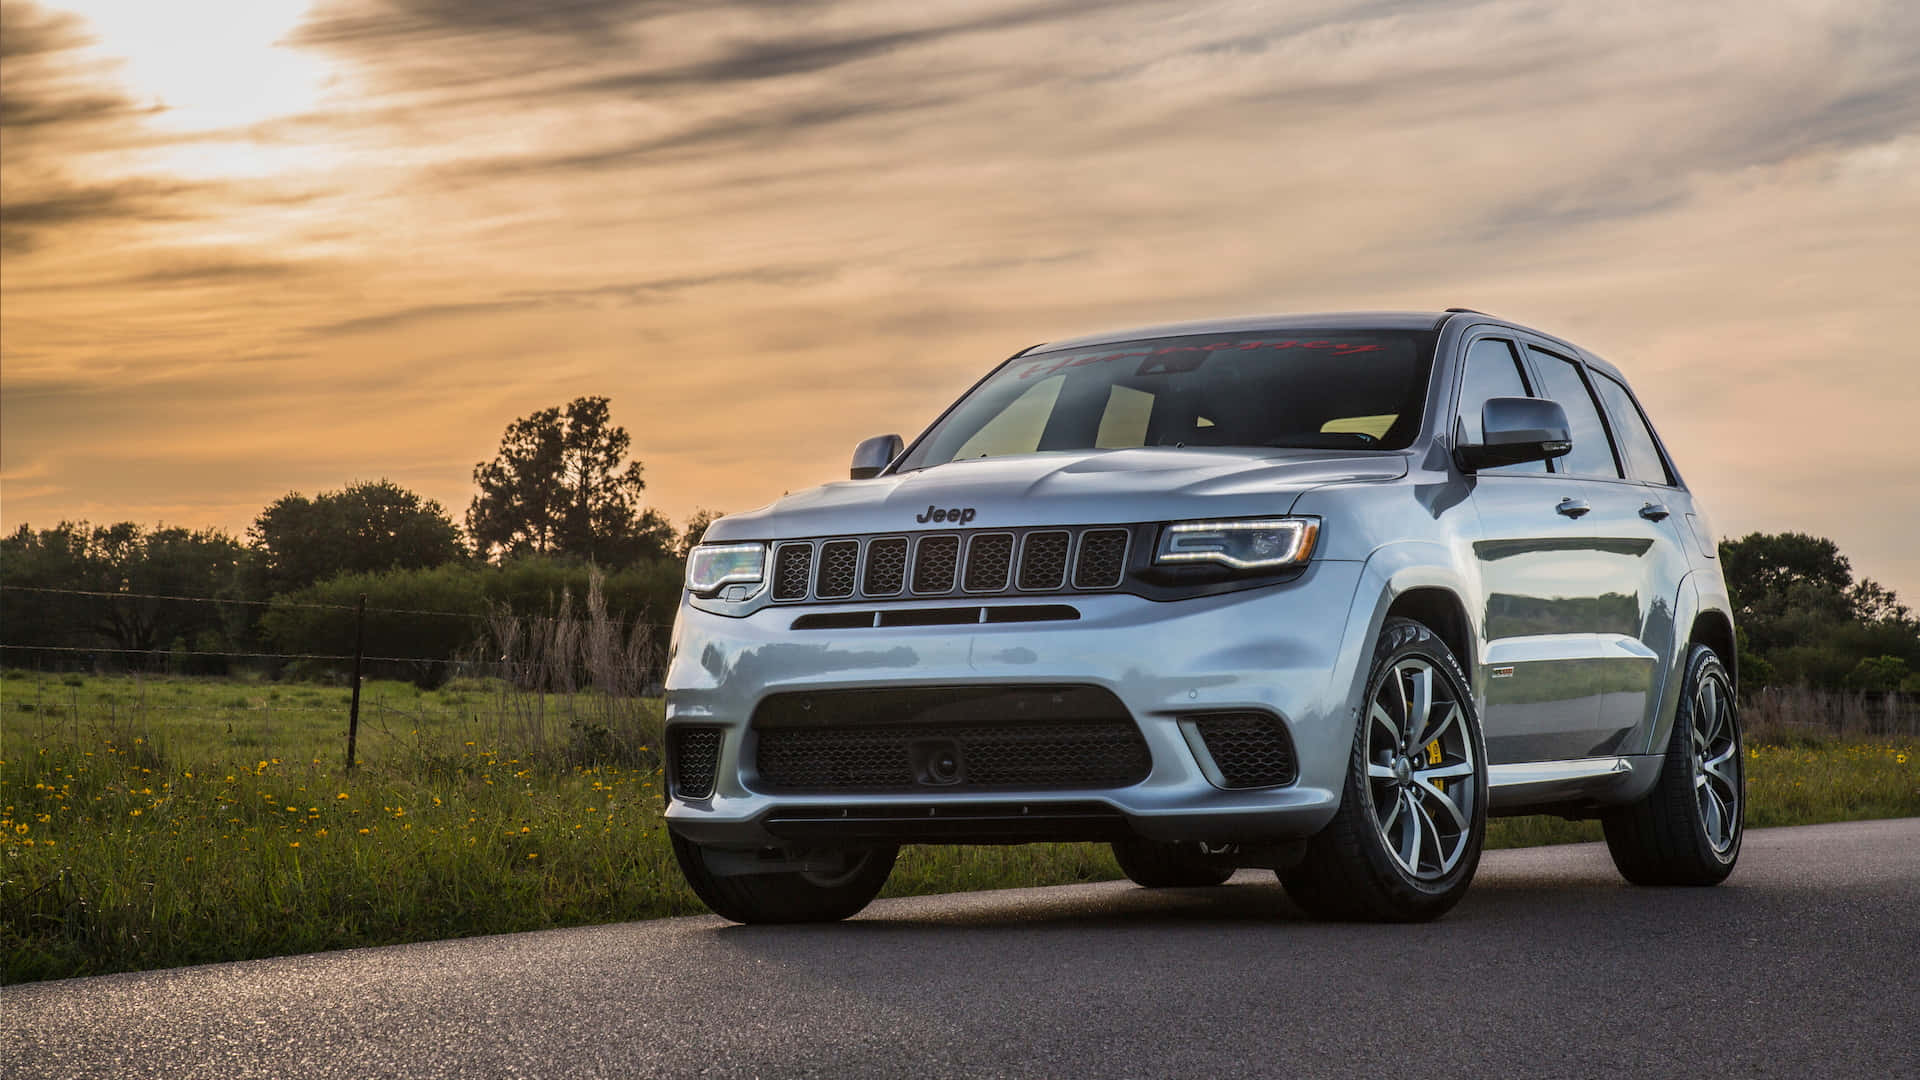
(1517, 429)
(873, 455)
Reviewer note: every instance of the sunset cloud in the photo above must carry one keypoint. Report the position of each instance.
(767, 230)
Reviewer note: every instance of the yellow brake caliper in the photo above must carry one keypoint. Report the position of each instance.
(1433, 758)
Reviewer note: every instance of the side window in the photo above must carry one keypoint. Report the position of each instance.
(1592, 453)
(1636, 439)
(1493, 370)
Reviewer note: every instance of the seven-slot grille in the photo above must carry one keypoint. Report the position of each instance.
(986, 562)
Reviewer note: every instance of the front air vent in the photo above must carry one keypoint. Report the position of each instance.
(935, 558)
(838, 561)
(1102, 561)
(886, 566)
(792, 565)
(989, 562)
(1037, 738)
(1250, 749)
(1043, 559)
(694, 756)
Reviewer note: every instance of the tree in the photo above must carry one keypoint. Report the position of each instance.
(143, 581)
(558, 487)
(696, 528)
(1805, 619)
(1762, 567)
(365, 528)
(1878, 673)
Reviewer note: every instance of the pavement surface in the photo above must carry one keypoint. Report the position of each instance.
(1805, 963)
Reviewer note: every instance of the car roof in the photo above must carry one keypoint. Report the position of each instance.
(1328, 320)
(1340, 320)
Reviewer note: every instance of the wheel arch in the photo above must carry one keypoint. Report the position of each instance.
(1441, 610)
(1714, 629)
(1417, 579)
(1701, 606)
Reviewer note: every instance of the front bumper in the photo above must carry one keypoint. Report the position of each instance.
(1292, 650)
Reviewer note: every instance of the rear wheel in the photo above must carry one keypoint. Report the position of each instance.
(848, 882)
(1153, 865)
(1406, 840)
(1687, 830)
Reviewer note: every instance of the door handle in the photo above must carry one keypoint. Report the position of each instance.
(1573, 508)
(1655, 512)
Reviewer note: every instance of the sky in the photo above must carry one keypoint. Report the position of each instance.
(250, 247)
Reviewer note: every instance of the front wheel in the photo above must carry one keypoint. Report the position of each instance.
(788, 896)
(1687, 830)
(1413, 814)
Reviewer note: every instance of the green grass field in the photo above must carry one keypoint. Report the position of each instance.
(160, 822)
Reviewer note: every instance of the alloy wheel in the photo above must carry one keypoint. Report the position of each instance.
(1716, 762)
(1421, 770)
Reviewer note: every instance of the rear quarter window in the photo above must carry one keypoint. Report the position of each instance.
(1637, 444)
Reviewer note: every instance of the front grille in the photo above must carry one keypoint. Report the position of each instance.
(947, 739)
(695, 756)
(1043, 560)
(1250, 749)
(791, 566)
(1102, 561)
(886, 566)
(981, 563)
(989, 562)
(838, 558)
(935, 558)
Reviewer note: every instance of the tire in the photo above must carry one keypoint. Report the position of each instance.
(1687, 830)
(1406, 841)
(1167, 866)
(790, 896)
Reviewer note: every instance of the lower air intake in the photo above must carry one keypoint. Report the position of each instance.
(694, 757)
(951, 738)
(1250, 749)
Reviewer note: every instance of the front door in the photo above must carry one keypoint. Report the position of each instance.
(1568, 572)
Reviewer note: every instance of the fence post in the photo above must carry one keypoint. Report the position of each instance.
(359, 649)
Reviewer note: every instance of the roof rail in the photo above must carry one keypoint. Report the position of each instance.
(1467, 311)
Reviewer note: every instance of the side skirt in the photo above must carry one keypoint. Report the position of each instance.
(1538, 787)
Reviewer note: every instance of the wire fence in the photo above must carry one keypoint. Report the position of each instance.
(111, 644)
(572, 682)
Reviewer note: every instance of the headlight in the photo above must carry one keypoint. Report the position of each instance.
(711, 566)
(1253, 544)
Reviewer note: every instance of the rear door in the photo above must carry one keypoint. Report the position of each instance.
(1666, 506)
(1609, 564)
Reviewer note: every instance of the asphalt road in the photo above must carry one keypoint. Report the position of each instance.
(1805, 963)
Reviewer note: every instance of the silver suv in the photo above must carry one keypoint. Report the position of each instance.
(1310, 593)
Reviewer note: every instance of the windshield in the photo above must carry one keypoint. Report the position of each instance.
(1316, 389)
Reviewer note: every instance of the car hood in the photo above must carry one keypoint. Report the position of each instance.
(1083, 487)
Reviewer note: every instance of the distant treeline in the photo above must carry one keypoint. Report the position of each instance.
(554, 507)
